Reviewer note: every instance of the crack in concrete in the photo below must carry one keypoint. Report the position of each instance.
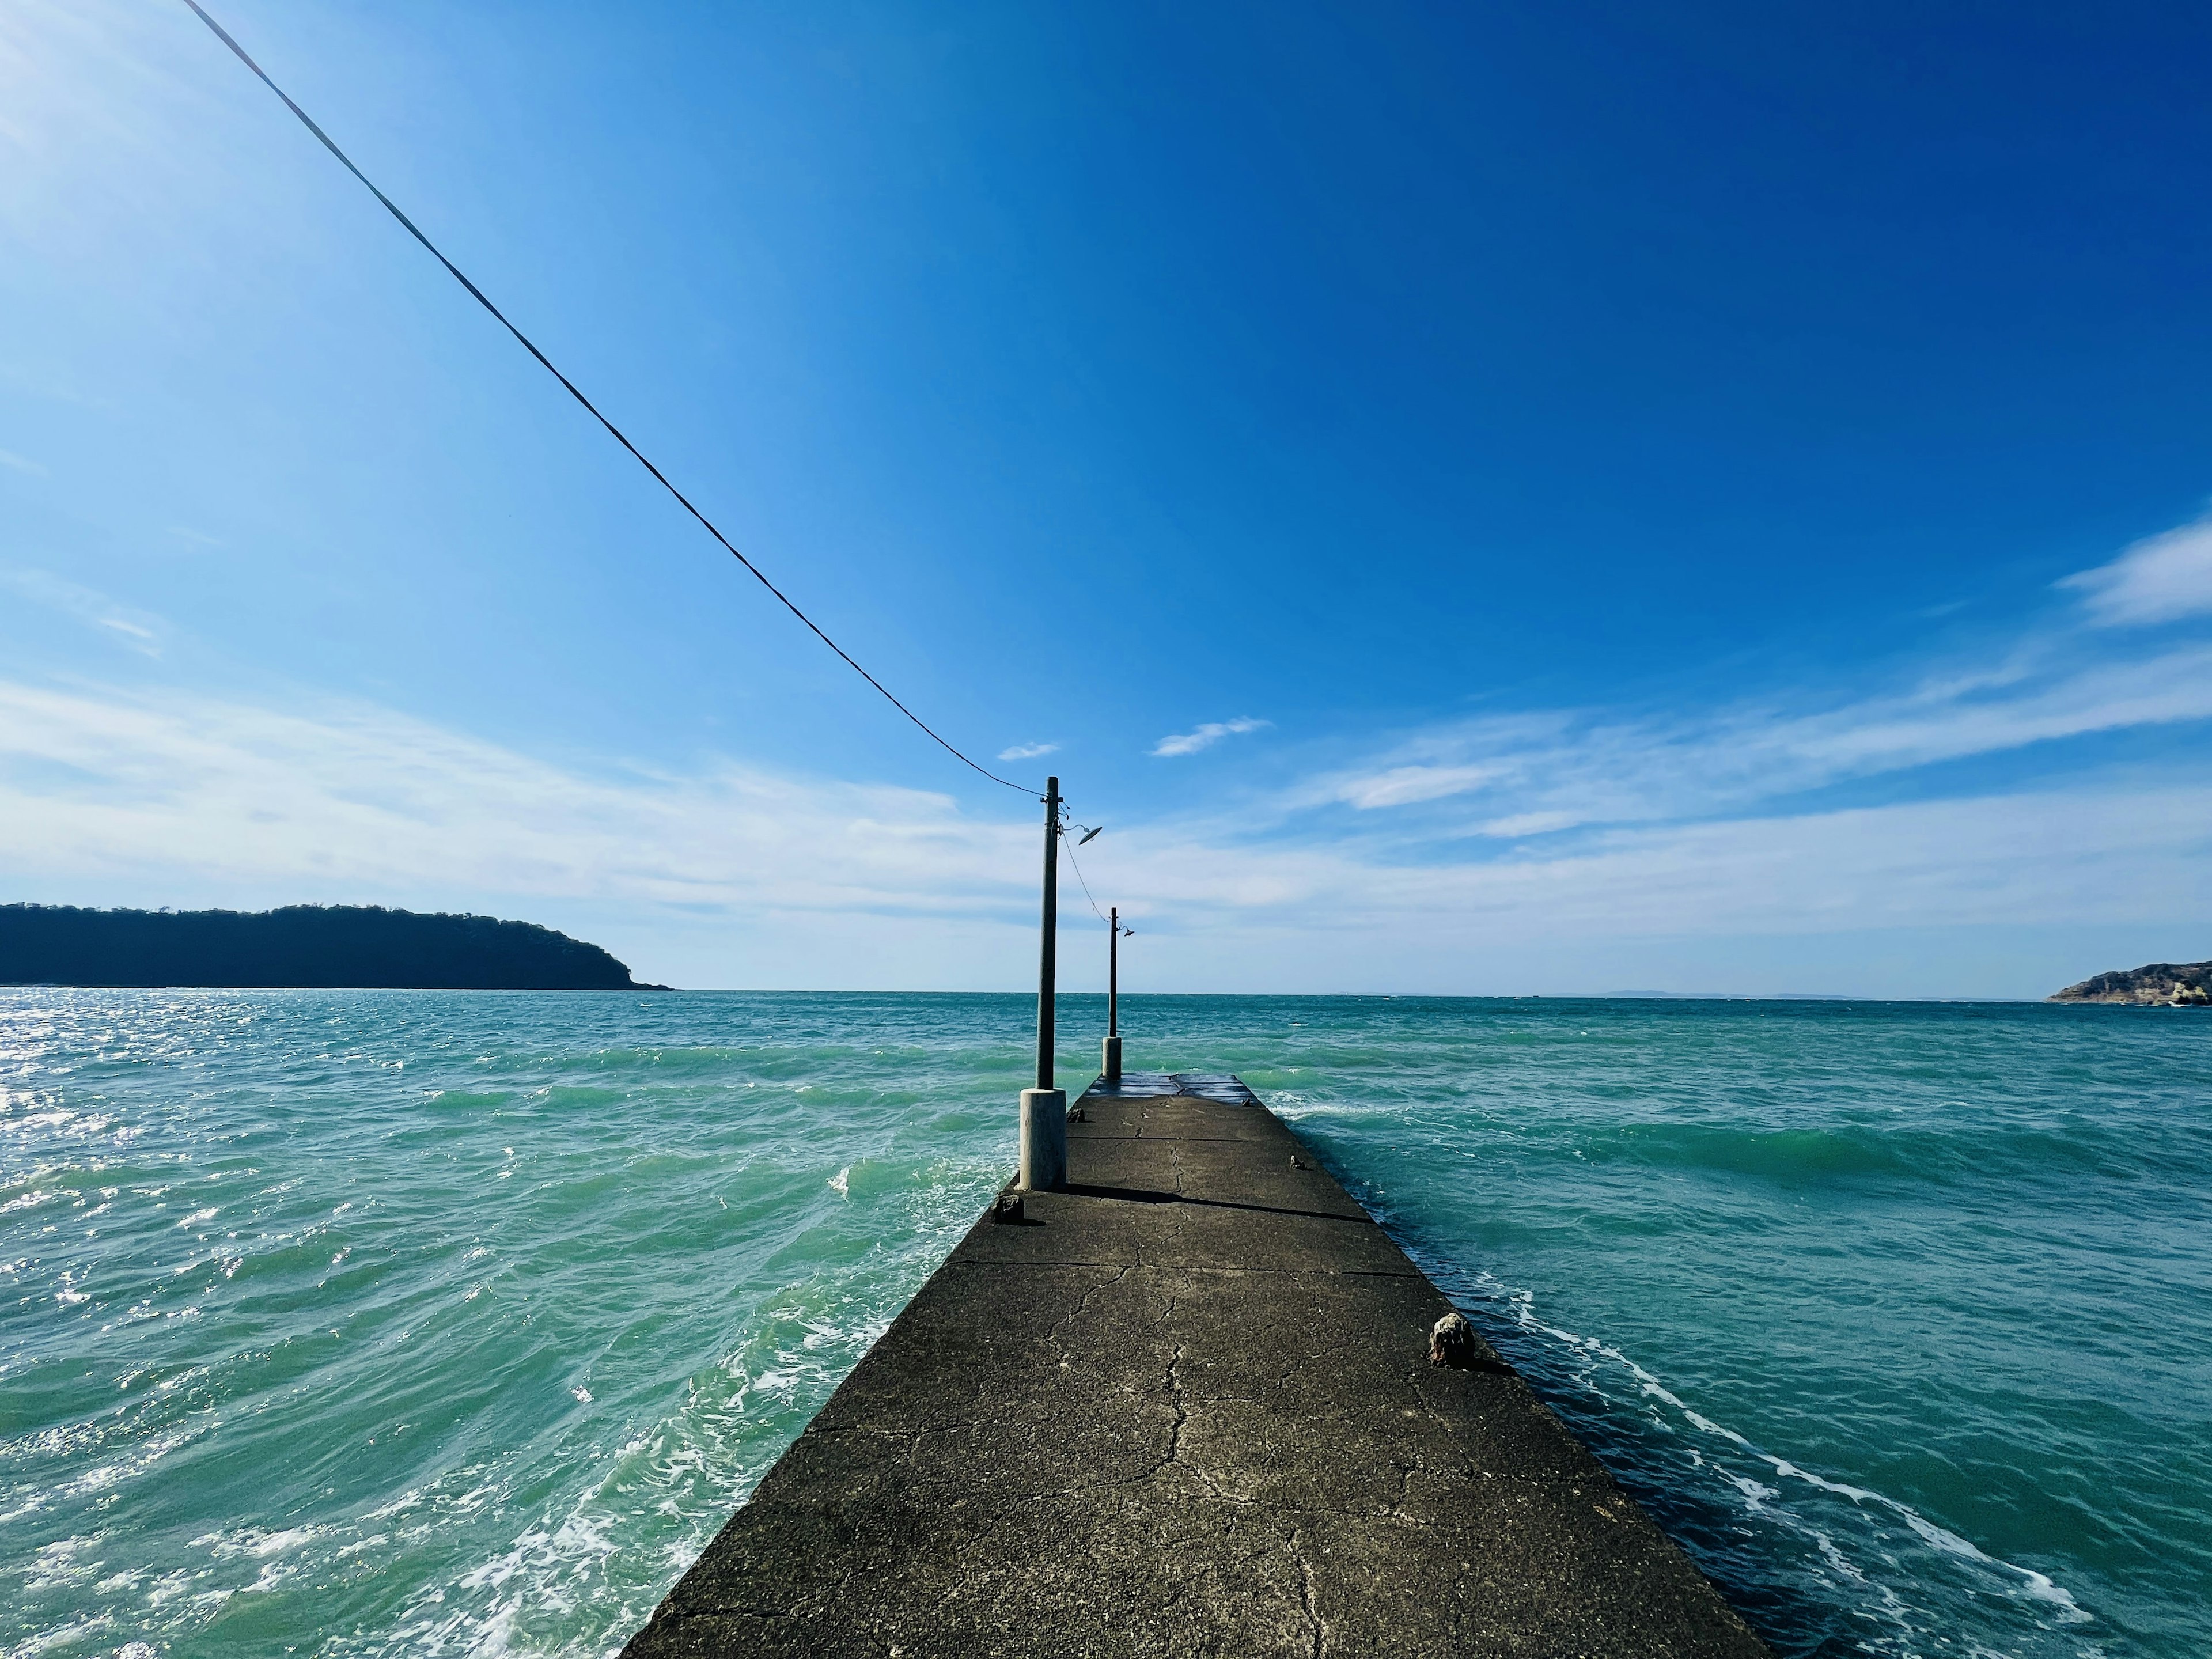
(1306, 1594)
(1420, 1398)
(1175, 1400)
(1051, 1335)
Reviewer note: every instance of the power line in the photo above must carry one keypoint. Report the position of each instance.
(478, 295)
(1079, 874)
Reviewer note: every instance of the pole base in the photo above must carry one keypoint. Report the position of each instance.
(1110, 1061)
(1044, 1138)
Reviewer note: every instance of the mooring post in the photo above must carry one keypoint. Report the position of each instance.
(1044, 1109)
(1111, 1065)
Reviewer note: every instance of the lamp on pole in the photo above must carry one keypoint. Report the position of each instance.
(1044, 1109)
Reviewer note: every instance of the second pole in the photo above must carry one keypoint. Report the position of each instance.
(1111, 1062)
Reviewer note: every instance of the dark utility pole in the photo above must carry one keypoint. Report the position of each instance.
(1113, 970)
(1044, 1109)
(1046, 959)
(1109, 1051)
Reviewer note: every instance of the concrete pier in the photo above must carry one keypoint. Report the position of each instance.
(1184, 1406)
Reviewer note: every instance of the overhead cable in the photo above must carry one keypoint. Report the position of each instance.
(477, 294)
(1083, 884)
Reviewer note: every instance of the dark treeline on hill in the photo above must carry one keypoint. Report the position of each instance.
(325, 947)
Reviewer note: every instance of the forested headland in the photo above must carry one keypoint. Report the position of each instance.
(334, 947)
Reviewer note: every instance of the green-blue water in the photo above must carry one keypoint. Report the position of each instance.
(414, 1322)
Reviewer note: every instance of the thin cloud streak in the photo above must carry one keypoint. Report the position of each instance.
(1405, 785)
(140, 631)
(1022, 751)
(2160, 579)
(1538, 774)
(1205, 736)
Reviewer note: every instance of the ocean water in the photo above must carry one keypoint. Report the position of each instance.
(453, 1323)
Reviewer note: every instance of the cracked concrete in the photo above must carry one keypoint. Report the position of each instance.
(1184, 1409)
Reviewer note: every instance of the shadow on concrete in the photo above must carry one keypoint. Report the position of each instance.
(1151, 1195)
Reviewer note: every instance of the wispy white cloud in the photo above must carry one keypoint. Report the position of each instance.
(105, 795)
(1404, 786)
(138, 629)
(1519, 825)
(1205, 736)
(349, 797)
(2160, 579)
(1029, 751)
(723, 875)
(1545, 772)
(1542, 771)
(2087, 852)
(15, 463)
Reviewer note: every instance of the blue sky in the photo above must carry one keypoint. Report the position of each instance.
(1477, 499)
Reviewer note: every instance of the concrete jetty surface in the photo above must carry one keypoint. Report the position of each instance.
(1185, 1407)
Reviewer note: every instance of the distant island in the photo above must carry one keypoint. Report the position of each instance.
(310, 946)
(2158, 985)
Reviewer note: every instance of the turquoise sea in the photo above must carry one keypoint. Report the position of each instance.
(386, 1323)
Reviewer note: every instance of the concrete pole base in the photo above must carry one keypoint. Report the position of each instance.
(1044, 1138)
(1110, 1064)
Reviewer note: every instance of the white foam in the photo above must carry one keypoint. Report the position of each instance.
(1759, 1497)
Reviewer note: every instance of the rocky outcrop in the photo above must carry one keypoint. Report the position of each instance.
(2159, 985)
